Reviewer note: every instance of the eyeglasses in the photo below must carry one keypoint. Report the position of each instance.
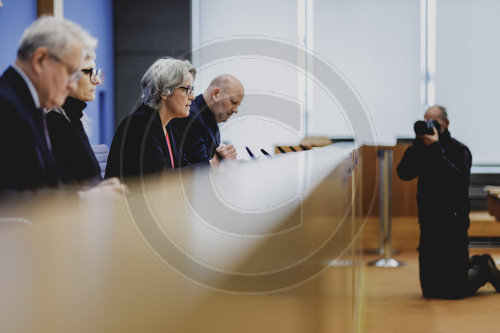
(189, 90)
(95, 74)
(74, 75)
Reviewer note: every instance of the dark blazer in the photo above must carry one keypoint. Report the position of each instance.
(27, 161)
(71, 148)
(199, 134)
(139, 146)
(443, 171)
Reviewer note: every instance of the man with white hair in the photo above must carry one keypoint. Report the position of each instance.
(47, 68)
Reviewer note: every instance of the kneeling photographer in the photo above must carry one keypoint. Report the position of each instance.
(442, 165)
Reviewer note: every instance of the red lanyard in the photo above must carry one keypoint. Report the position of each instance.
(170, 150)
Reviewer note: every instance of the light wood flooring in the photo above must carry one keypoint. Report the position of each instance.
(391, 302)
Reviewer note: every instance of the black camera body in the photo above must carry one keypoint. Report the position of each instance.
(422, 127)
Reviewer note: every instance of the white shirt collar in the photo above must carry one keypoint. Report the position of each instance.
(31, 87)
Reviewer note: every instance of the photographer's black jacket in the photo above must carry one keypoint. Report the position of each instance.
(443, 171)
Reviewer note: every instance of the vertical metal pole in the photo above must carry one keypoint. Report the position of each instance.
(385, 163)
(385, 171)
(382, 231)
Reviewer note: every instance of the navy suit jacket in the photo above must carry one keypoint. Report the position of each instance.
(198, 134)
(139, 146)
(27, 161)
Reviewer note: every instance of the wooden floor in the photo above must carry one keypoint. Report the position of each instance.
(391, 301)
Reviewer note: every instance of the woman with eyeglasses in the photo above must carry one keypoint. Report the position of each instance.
(144, 143)
(70, 145)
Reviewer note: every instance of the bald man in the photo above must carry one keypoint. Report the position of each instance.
(442, 165)
(199, 136)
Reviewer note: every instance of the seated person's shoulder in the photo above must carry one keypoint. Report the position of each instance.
(13, 114)
(7, 106)
(55, 117)
(143, 113)
(9, 101)
(139, 118)
(188, 123)
(57, 123)
(144, 122)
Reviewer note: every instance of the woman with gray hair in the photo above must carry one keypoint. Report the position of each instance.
(144, 143)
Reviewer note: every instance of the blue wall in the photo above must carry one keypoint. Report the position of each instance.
(15, 16)
(96, 16)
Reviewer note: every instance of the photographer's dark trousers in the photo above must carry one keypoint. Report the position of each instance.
(445, 268)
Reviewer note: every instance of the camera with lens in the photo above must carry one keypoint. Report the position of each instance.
(422, 127)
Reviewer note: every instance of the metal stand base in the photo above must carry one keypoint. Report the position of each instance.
(380, 251)
(386, 263)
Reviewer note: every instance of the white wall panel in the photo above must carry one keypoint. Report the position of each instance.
(468, 72)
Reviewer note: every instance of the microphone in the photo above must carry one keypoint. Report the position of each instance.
(252, 156)
(265, 153)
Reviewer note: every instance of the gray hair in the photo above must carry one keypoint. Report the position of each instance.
(90, 55)
(57, 35)
(444, 113)
(162, 77)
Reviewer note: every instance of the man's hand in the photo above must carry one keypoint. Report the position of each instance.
(429, 139)
(226, 152)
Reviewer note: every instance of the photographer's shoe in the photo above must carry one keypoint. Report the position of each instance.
(493, 272)
(476, 259)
